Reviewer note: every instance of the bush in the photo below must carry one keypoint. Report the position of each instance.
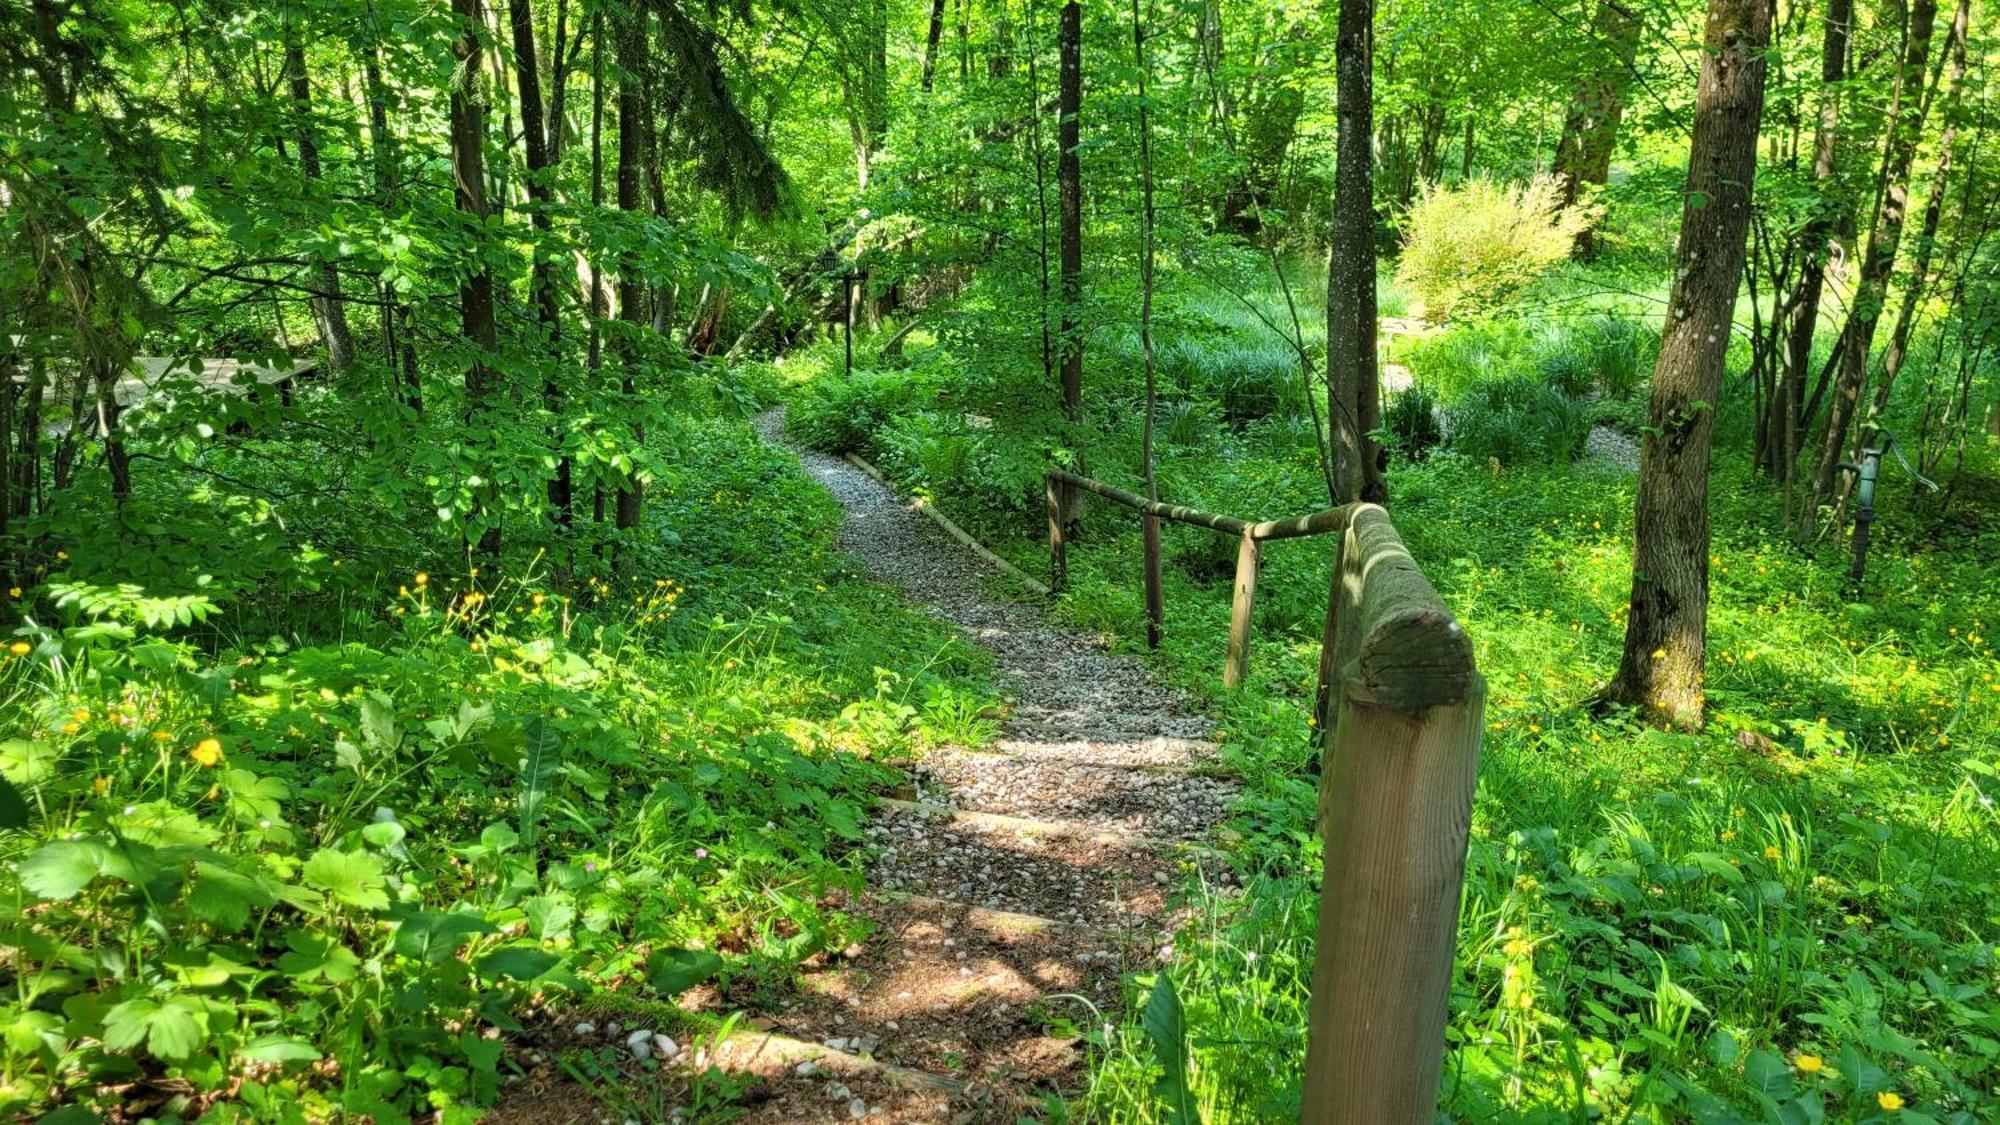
(1517, 422)
(1412, 422)
(1473, 245)
(842, 414)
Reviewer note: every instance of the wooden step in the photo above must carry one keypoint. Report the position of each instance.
(1030, 826)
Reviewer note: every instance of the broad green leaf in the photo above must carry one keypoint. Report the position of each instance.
(170, 1031)
(521, 962)
(278, 1049)
(27, 762)
(1166, 1029)
(674, 971)
(352, 878)
(13, 807)
(224, 897)
(316, 957)
(60, 869)
(435, 937)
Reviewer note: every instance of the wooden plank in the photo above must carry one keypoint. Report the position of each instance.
(1156, 604)
(1058, 548)
(1227, 524)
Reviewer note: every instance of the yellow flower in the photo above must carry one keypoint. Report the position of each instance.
(1771, 851)
(101, 785)
(207, 752)
(1889, 1100)
(1728, 834)
(420, 579)
(1809, 1064)
(71, 728)
(161, 736)
(1659, 654)
(13, 591)
(1518, 947)
(81, 715)
(20, 648)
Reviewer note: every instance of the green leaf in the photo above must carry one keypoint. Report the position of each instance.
(521, 962)
(674, 971)
(1768, 1074)
(170, 1031)
(224, 897)
(378, 721)
(435, 937)
(13, 807)
(278, 1049)
(27, 762)
(353, 878)
(1166, 1029)
(58, 870)
(316, 957)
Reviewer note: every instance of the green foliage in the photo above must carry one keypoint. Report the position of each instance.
(376, 845)
(841, 414)
(1516, 422)
(1470, 247)
(1412, 420)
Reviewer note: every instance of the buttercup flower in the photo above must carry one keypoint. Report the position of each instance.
(1809, 1064)
(207, 752)
(1889, 1100)
(20, 648)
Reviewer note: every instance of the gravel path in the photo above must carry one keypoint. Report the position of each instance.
(1070, 842)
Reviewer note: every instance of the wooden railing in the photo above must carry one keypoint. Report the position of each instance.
(1398, 709)
(1249, 554)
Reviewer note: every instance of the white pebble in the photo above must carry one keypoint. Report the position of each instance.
(640, 1043)
(857, 1109)
(586, 1028)
(665, 1046)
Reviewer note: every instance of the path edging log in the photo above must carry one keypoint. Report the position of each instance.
(950, 528)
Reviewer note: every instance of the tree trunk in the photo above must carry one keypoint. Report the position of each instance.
(1069, 207)
(541, 192)
(1906, 122)
(1666, 634)
(1899, 337)
(1590, 131)
(1828, 217)
(468, 171)
(398, 335)
(1353, 393)
(631, 289)
(931, 44)
(329, 311)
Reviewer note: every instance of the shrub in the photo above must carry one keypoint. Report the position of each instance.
(1518, 421)
(1412, 422)
(1472, 246)
(842, 414)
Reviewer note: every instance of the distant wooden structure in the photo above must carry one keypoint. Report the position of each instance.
(151, 376)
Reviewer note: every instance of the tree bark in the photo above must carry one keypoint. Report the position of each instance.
(931, 44)
(1069, 207)
(1899, 337)
(1906, 122)
(1666, 633)
(1590, 130)
(631, 289)
(1353, 392)
(1829, 216)
(541, 193)
(468, 170)
(329, 311)
(398, 334)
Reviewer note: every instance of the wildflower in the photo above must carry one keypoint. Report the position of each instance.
(1809, 1064)
(13, 591)
(1659, 654)
(207, 752)
(81, 715)
(20, 648)
(1526, 884)
(701, 853)
(161, 736)
(70, 728)
(1728, 834)
(1771, 851)
(420, 579)
(1889, 1100)
(1518, 947)
(101, 785)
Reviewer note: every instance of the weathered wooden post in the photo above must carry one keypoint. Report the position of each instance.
(1241, 606)
(1058, 550)
(1401, 744)
(1156, 604)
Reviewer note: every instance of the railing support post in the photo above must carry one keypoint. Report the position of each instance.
(1058, 550)
(1241, 606)
(1156, 605)
(1395, 804)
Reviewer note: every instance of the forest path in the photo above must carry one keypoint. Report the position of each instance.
(1013, 886)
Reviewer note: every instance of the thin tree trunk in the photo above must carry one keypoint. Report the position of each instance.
(631, 289)
(1041, 198)
(468, 170)
(1069, 206)
(398, 335)
(1150, 527)
(931, 44)
(1666, 635)
(1352, 389)
(1906, 122)
(329, 311)
(541, 192)
(1828, 217)
(1899, 337)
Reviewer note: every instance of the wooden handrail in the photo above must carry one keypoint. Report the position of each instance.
(1249, 556)
(1399, 706)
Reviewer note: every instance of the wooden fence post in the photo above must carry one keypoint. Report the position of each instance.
(1241, 606)
(1058, 550)
(1156, 605)
(1401, 761)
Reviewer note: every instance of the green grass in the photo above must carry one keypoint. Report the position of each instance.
(373, 841)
